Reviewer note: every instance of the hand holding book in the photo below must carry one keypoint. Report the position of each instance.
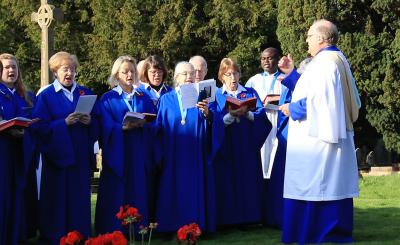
(136, 119)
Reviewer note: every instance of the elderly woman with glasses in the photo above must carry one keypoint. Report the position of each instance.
(123, 180)
(237, 136)
(66, 140)
(182, 191)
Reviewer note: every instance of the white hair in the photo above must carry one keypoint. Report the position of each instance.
(178, 69)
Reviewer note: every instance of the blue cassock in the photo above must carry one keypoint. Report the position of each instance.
(67, 152)
(13, 183)
(126, 161)
(183, 190)
(274, 199)
(237, 162)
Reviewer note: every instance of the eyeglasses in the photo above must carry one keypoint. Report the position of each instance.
(66, 69)
(231, 74)
(185, 73)
(154, 72)
(126, 73)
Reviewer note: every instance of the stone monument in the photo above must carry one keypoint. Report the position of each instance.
(44, 17)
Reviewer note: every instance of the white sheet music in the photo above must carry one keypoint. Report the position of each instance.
(85, 104)
(190, 92)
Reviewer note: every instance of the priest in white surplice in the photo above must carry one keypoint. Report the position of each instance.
(321, 176)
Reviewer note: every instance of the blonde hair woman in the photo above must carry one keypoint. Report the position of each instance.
(66, 139)
(126, 148)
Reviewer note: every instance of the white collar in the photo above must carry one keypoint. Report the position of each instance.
(270, 74)
(58, 86)
(124, 94)
(148, 87)
(239, 89)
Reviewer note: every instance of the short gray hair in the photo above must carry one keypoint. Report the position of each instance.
(199, 57)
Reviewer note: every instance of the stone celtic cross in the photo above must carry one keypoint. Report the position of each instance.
(44, 17)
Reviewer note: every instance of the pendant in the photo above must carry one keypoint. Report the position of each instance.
(183, 121)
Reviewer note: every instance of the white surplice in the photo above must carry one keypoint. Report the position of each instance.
(320, 161)
(262, 84)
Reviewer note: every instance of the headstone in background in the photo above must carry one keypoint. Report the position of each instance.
(370, 160)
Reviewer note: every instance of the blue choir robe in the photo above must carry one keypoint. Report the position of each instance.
(67, 152)
(8, 109)
(184, 192)
(237, 162)
(126, 165)
(24, 209)
(14, 105)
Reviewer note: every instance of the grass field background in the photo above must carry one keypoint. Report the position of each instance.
(376, 219)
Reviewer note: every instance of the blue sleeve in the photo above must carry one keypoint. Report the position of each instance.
(291, 80)
(298, 109)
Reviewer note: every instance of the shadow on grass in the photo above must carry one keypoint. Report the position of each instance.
(377, 225)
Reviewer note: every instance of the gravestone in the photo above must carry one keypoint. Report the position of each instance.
(44, 17)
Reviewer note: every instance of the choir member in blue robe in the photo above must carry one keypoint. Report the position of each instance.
(66, 145)
(153, 75)
(183, 195)
(123, 180)
(237, 137)
(23, 188)
(321, 175)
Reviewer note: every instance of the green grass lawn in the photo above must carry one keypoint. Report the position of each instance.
(376, 218)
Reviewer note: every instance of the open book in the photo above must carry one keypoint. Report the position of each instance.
(195, 92)
(17, 122)
(235, 104)
(272, 99)
(131, 116)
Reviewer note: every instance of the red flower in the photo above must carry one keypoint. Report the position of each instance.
(118, 238)
(81, 92)
(72, 238)
(242, 95)
(128, 215)
(115, 238)
(189, 233)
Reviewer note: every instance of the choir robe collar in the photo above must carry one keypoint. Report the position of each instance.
(12, 90)
(239, 90)
(135, 90)
(222, 99)
(59, 87)
(4, 90)
(265, 73)
(154, 92)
